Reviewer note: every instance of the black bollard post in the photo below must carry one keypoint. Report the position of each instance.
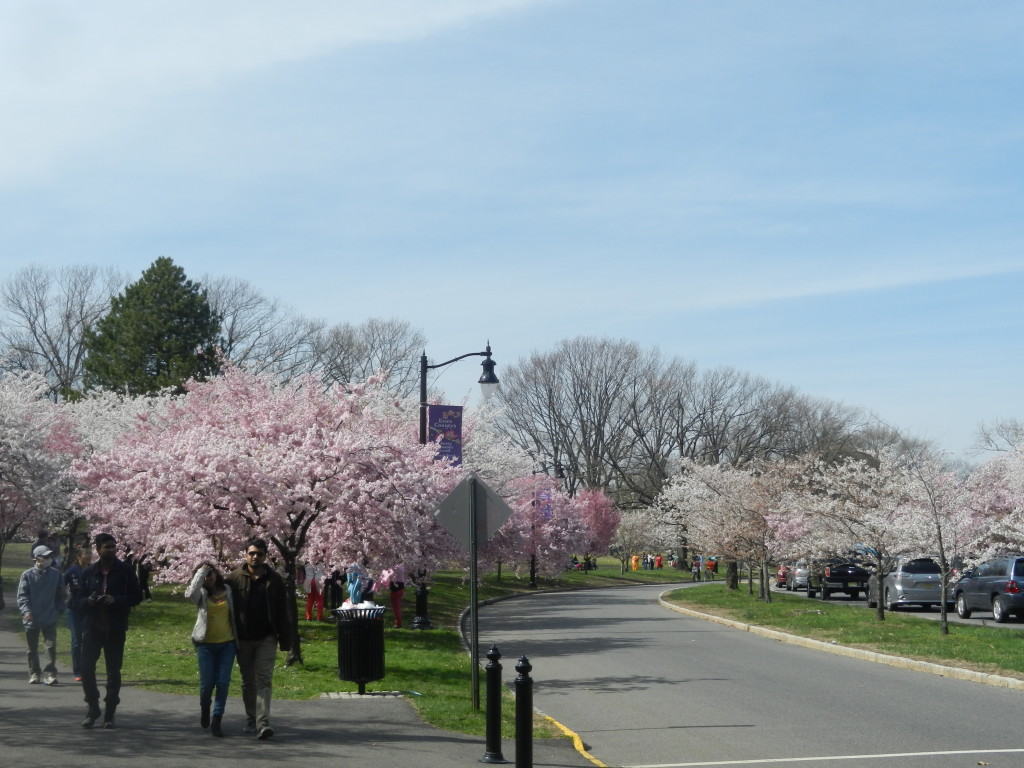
(422, 620)
(524, 714)
(493, 743)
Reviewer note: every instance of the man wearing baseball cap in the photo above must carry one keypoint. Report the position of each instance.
(41, 597)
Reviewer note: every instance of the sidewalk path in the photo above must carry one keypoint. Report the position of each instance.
(41, 725)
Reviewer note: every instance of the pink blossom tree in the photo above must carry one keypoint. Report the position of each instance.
(333, 476)
(601, 518)
(544, 530)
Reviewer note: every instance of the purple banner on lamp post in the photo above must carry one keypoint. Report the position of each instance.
(543, 501)
(444, 426)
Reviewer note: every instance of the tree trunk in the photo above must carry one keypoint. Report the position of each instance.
(766, 587)
(732, 575)
(295, 654)
(880, 608)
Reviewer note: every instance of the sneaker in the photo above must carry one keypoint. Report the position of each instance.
(108, 724)
(78, 678)
(50, 680)
(249, 728)
(33, 678)
(265, 733)
(91, 717)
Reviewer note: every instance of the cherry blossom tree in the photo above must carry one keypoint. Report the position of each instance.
(600, 516)
(741, 513)
(996, 500)
(944, 523)
(329, 476)
(637, 531)
(870, 506)
(37, 444)
(489, 453)
(543, 532)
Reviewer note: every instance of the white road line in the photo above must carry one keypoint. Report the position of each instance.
(781, 760)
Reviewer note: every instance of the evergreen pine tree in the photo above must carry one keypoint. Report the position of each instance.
(159, 333)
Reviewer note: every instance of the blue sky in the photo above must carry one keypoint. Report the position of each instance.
(827, 195)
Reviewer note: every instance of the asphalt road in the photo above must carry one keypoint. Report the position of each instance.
(646, 686)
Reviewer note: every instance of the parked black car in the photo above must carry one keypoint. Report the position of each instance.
(836, 575)
(996, 585)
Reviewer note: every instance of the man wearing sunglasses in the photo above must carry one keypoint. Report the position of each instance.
(261, 618)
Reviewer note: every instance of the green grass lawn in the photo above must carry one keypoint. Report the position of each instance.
(995, 650)
(431, 666)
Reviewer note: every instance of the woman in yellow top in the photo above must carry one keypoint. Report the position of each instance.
(214, 638)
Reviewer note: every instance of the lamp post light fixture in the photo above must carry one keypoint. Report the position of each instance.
(488, 385)
(488, 382)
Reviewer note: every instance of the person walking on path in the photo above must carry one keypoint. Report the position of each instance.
(261, 618)
(41, 598)
(75, 614)
(110, 589)
(214, 638)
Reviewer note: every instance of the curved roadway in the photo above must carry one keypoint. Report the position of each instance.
(646, 686)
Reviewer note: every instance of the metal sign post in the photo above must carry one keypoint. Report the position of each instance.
(471, 513)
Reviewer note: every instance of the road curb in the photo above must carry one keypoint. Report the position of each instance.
(957, 673)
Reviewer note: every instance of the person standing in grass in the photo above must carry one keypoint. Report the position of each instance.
(41, 599)
(214, 638)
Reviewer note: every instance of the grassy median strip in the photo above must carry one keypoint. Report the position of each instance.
(995, 650)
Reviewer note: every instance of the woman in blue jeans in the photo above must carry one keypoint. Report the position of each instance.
(214, 637)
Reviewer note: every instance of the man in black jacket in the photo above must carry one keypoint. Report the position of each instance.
(108, 592)
(261, 617)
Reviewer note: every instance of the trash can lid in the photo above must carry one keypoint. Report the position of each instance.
(359, 613)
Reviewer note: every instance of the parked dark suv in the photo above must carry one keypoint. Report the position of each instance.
(836, 575)
(996, 585)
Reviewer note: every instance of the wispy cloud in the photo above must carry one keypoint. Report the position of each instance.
(74, 71)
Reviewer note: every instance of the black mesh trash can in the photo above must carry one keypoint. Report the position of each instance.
(360, 645)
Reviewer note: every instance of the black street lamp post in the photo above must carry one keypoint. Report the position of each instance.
(488, 382)
(488, 385)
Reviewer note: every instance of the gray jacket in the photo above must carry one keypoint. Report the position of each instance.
(41, 593)
(196, 592)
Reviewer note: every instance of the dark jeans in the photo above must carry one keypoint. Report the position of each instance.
(112, 646)
(75, 627)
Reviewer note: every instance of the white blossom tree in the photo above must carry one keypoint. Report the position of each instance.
(37, 444)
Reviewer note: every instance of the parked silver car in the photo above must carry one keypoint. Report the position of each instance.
(797, 577)
(916, 581)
